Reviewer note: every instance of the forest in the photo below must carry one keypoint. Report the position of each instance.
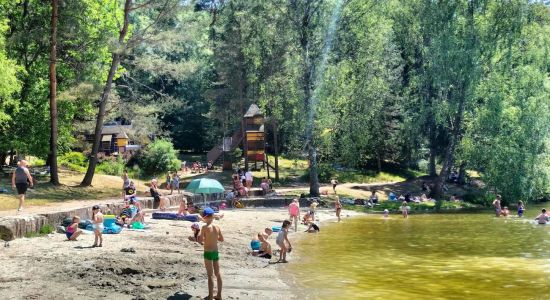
(424, 84)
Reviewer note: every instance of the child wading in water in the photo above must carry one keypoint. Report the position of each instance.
(211, 235)
(543, 217)
(97, 220)
(72, 231)
(338, 207)
(521, 208)
(405, 209)
(282, 239)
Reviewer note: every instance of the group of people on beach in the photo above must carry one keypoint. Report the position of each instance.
(503, 211)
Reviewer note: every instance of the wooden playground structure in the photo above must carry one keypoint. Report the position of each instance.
(251, 136)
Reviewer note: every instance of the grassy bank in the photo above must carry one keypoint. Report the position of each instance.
(103, 187)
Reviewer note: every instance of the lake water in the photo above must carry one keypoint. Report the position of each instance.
(438, 256)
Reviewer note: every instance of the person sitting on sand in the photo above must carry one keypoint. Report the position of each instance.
(282, 241)
(196, 237)
(265, 247)
(543, 217)
(264, 186)
(137, 213)
(312, 228)
(72, 231)
(505, 212)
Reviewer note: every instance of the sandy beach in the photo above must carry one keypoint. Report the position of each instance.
(165, 265)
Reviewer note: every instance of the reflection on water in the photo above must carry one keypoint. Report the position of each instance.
(465, 256)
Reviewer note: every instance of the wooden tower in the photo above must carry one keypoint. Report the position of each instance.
(254, 135)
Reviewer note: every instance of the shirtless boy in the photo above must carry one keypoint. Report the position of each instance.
(211, 235)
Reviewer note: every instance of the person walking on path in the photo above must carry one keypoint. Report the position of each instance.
(334, 183)
(22, 180)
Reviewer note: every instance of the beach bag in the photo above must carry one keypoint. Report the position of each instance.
(66, 222)
(113, 229)
(84, 224)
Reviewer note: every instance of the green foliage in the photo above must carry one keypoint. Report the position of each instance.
(159, 157)
(74, 161)
(112, 166)
(44, 230)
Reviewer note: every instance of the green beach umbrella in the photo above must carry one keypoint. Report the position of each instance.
(205, 186)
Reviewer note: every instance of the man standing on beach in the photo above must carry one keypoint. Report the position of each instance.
(22, 180)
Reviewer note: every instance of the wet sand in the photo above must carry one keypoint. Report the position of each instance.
(165, 265)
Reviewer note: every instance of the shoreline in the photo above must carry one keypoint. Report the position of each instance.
(165, 263)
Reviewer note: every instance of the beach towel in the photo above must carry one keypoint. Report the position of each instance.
(174, 216)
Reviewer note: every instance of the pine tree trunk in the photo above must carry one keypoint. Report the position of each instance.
(54, 176)
(116, 58)
(275, 149)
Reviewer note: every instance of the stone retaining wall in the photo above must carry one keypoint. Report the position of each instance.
(18, 226)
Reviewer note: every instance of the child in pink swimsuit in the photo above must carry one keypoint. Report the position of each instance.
(294, 211)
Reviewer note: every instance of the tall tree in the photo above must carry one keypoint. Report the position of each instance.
(115, 61)
(54, 176)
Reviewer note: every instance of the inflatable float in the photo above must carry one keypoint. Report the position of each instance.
(175, 216)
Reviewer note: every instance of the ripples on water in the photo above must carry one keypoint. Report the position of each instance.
(460, 256)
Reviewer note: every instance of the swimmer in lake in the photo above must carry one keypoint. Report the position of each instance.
(543, 217)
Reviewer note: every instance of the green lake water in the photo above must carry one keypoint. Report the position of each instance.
(437, 256)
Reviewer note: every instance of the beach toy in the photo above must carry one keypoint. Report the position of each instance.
(138, 225)
(255, 245)
(174, 216)
(276, 228)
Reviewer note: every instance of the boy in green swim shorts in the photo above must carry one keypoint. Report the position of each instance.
(211, 235)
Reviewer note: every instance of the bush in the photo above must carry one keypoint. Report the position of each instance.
(74, 161)
(112, 167)
(159, 157)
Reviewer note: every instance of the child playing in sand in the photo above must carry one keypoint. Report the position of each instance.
(521, 208)
(543, 217)
(294, 212)
(405, 209)
(72, 231)
(338, 207)
(265, 247)
(97, 220)
(196, 237)
(282, 240)
(211, 235)
(267, 232)
(312, 228)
